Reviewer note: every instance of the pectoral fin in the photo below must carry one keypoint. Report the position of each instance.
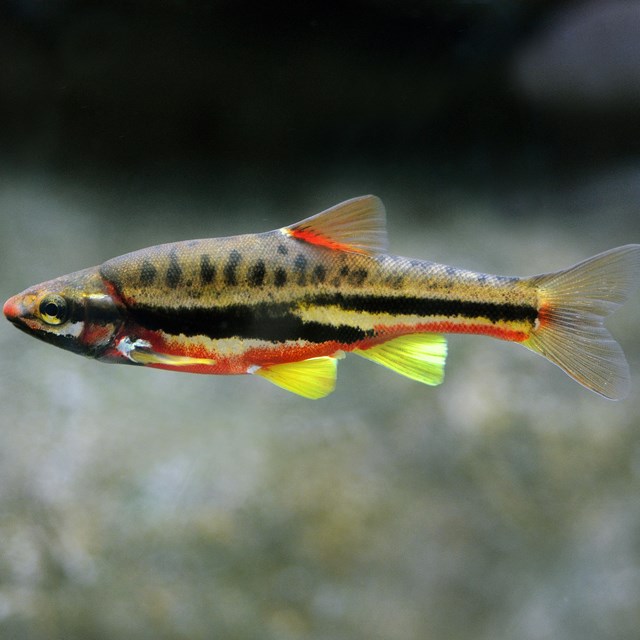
(140, 352)
(150, 358)
(419, 356)
(313, 378)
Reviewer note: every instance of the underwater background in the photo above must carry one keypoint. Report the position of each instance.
(505, 503)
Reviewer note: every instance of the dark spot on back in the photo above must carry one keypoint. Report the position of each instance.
(207, 270)
(358, 276)
(395, 282)
(319, 274)
(148, 273)
(300, 266)
(344, 271)
(280, 277)
(283, 249)
(257, 273)
(174, 272)
(231, 267)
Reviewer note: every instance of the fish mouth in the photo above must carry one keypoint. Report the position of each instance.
(17, 314)
(18, 310)
(13, 309)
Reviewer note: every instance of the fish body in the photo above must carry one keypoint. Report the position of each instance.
(286, 304)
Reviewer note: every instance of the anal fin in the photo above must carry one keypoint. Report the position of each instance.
(313, 378)
(419, 356)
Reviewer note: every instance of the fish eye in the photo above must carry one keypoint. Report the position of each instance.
(53, 309)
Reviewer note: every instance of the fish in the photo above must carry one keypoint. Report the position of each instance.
(286, 305)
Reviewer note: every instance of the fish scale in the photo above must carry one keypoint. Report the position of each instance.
(286, 304)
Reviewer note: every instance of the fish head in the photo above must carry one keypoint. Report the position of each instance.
(76, 312)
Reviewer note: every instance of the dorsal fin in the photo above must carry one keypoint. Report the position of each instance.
(357, 225)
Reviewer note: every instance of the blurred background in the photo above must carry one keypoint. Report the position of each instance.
(503, 137)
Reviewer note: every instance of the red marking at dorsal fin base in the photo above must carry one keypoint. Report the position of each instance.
(357, 225)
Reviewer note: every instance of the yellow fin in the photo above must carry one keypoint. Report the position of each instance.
(313, 378)
(139, 351)
(574, 303)
(150, 357)
(419, 356)
(354, 225)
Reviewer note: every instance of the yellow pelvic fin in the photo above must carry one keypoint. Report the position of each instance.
(573, 305)
(313, 378)
(419, 356)
(354, 225)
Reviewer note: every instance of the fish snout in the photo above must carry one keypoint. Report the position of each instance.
(13, 309)
(19, 307)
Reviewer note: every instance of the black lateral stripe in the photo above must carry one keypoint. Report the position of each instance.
(277, 322)
(98, 311)
(402, 305)
(264, 321)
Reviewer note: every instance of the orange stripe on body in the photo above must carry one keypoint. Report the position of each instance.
(446, 326)
(235, 364)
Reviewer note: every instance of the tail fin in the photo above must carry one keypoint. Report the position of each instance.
(573, 305)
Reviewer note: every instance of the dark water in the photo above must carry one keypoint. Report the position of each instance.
(146, 504)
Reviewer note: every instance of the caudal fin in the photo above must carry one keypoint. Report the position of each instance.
(573, 305)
